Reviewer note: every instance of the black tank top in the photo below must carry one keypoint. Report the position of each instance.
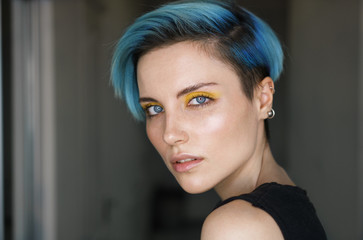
(289, 206)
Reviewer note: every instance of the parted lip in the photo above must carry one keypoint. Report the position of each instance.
(184, 156)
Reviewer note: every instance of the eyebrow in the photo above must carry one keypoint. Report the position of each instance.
(147, 99)
(182, 92)
(193, 88)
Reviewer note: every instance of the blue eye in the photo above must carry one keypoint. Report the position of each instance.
(158, 109)
(199, 100)
(154, 110)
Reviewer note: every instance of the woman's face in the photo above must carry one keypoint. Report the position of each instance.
(199, 119)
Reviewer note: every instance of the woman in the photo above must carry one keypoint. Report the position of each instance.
(202, 73)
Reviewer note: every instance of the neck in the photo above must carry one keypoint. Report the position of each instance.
(260, 168)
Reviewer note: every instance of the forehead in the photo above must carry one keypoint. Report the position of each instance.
(180, 65)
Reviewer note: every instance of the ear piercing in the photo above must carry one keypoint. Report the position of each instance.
(271, 114)
(273, 90)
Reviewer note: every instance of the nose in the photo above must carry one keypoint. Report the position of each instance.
(174, 133)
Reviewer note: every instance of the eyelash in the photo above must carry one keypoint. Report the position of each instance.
(189, 99)
(147, 108)
(194, 96)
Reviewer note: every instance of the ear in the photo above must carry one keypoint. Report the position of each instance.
(264, 95)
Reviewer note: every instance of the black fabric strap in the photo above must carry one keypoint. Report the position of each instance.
(289, 206)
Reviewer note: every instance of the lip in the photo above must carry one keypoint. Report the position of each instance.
(183, 163)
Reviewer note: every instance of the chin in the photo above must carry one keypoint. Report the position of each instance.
(194, 186)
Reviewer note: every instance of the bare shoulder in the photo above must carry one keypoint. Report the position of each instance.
(240, 220)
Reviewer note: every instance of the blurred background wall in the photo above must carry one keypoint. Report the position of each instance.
(79, 167)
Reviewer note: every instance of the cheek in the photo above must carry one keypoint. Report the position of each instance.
(151, 134)
(212, 125)
(155, 136)
(226, 129)
(223, 120)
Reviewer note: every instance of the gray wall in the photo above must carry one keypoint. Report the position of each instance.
(101, 183)
(323, 109)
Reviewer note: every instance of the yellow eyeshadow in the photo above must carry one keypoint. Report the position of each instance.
(149, 104)
(211, 95)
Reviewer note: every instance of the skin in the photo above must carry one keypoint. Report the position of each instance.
(222, 127)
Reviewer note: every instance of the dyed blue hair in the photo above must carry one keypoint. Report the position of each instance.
(231, 33)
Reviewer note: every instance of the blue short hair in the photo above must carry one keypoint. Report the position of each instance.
(233, 34)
